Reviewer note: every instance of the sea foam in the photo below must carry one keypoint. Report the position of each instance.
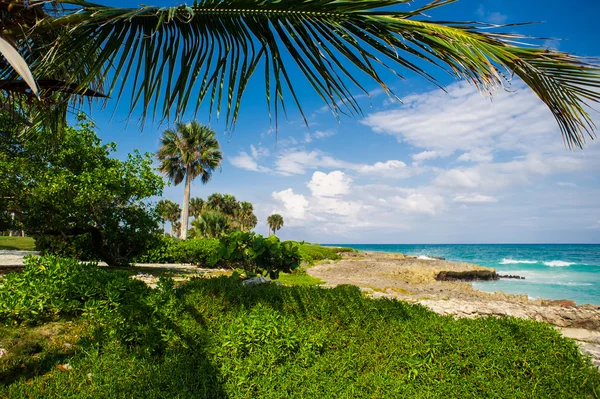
(424, 257)
(558, 263)
(515, 261)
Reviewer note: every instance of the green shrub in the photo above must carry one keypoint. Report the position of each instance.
(78, 247)
(313, 252)
(256, 254)
(197, 251)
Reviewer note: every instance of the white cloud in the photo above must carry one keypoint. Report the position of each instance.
(491, 17)
(245, 161)
(297, 162)
(476, 155)
(294, 205)
(463, 120)
(259, 152)
(329, 185)
(474, 199)
(318, 135)
(419, 203)
(566, 184)
(426, 155)
(468, 178)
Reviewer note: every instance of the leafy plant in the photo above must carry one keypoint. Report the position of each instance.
(256, 254)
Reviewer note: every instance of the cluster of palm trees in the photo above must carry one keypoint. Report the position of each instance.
(190, 151)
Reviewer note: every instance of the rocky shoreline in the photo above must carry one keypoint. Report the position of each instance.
(386, 275)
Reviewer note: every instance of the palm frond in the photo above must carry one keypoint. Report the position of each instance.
(176, 58)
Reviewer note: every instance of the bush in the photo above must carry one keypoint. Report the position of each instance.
(313, 252)
(120, 308)
(256, 254)
(77, 247)
(197, 251)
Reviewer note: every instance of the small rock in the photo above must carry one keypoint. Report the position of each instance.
(3, 352)
(563, 303)
(67, 345)
(64, 367)
(256, 281)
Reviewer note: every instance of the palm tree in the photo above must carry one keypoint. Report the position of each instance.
(164, 56)
(173, 213)
(164, 209)
(275, 222)
(188, 152)
(211, 224)
(244, 216)
(196, 207)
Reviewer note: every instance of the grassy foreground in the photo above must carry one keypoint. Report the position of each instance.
(17, 243)
(215, 338)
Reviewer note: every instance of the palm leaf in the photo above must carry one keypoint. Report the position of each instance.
(208, 51)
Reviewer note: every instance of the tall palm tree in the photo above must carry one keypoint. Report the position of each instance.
(196, 207)
(188, 152)
(275, 222)
(163, 57)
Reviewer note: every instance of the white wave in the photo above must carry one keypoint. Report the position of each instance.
(506, 261)
(558, 263)
(423, 257)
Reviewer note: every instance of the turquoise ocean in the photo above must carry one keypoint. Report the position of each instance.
(552, 271)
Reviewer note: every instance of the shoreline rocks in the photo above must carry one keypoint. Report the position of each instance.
(471, 275)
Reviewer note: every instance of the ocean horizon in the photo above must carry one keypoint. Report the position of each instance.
(551, 271)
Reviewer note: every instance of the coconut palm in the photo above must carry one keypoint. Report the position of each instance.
(211, 224)
(187, 152)
(196, 207)
(275, 222)
(171, 59)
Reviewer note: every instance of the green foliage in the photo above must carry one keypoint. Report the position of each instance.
(197, 251)
(257, 254)
(313, 252)
(18, 243)
(221, 214)
(216, 338)
(77, 188)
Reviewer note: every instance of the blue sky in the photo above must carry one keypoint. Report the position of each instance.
(440, 168)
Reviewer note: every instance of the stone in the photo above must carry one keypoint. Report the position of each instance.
(256, 281)
(472, 275)
(3, 352)
(562, 302)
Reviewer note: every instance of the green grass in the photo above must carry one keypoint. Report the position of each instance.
(301, 279)
(312, 253)
(17, 243)
(214, 338)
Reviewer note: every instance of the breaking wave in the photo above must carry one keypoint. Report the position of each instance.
(558, 263)
(516, 261)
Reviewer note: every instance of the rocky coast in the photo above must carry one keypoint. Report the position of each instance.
(411, 279)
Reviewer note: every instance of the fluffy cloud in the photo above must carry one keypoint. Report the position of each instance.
(318, 135)
(419, 203)
(245, 161)
(294, 205)
(474, 199)
(329, 185)
(463, 120)
(476, 155)
(426, 155)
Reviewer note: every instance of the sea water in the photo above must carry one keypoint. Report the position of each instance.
(552, 271)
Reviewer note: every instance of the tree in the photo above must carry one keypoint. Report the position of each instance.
(196, 206)
(82, 195)
(211, 224)
(245, 217)
(164, 208)
(275, 222)
(188, 152)
(164, 56)
(174, 214)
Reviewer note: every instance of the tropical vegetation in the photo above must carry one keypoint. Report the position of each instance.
(171, 59)
(77, 199)
(168, 211)
(76, 330)
(221, 214)
(275, 222)
(187, 152)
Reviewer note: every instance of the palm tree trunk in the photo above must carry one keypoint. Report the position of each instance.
(185, 208)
